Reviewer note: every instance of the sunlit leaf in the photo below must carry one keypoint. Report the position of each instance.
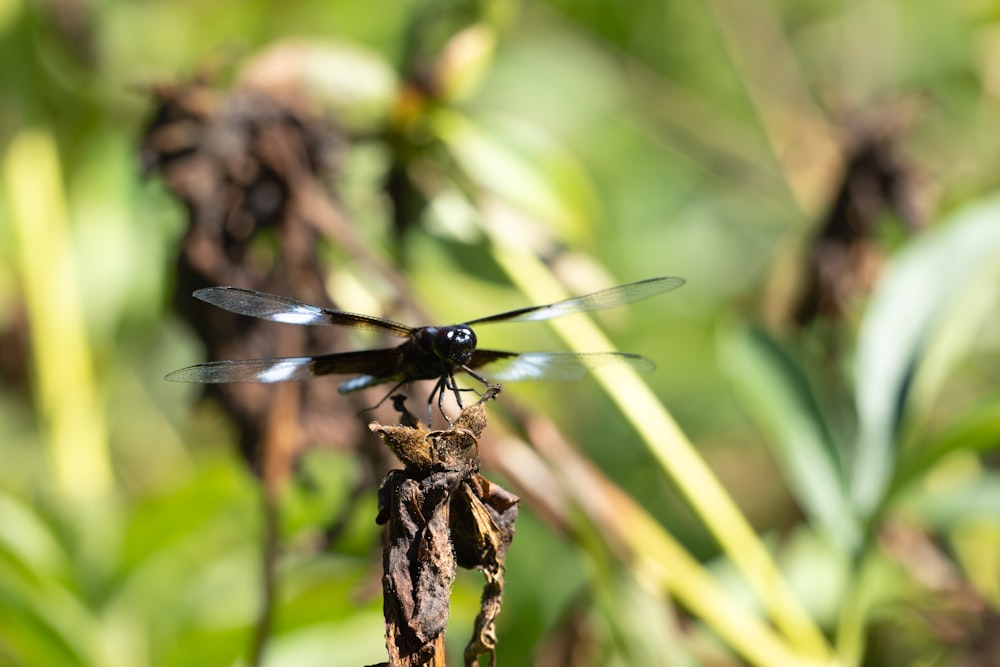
(918, 290)
(967, 499)
(358, 641)
(27, 540)
(976, 543)
(527, 169)
(978, 431)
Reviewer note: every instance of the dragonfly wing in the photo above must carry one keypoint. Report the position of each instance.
(609, 298)
(550, 366)
(373, 366)
(246, 370)
(275, 308)
(377, 366)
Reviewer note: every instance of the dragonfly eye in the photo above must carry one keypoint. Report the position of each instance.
(455, 344)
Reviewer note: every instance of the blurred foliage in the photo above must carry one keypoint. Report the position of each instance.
(613, 141)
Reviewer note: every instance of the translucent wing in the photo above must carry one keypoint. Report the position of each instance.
(378, 366)
(609, 298)
(246, 370)
(276, 308)
(502, 366)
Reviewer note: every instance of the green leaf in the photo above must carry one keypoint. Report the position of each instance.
(977, 431)
(776, 393)
(26, 539)
(963, 500)
(526, 168)
(358, 640)
(917, 292)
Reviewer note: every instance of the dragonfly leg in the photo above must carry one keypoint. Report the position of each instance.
(476, 375)
(384, 398)
(453, 386)
(439, 389)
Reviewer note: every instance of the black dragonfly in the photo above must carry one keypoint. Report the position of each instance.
(428, 353)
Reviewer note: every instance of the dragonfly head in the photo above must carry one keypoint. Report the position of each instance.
(455, 344)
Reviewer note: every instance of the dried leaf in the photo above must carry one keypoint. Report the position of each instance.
(440, 512)
(236, 159)
(482, 528)
(418, 561)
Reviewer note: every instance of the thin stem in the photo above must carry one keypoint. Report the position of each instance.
(268, 577)
(679, 459)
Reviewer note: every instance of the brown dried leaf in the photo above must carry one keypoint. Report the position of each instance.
(420, 449)
(418, 561)
(236, 159)
(847, 255)
(482, 528)
(440, 512)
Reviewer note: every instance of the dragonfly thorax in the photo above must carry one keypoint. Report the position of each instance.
(453, 344)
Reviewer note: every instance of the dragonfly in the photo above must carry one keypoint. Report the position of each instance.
(427, 353)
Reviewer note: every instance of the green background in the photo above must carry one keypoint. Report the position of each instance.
(703, 140)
